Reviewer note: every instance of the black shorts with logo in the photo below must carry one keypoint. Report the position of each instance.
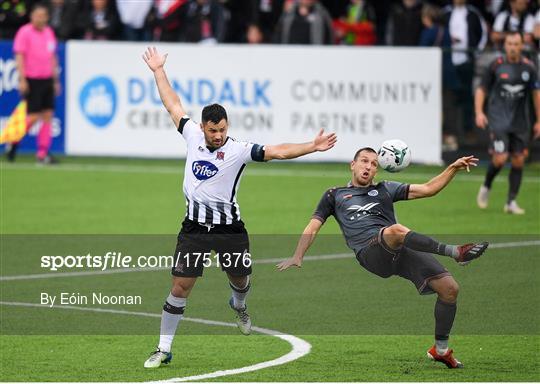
(40, 96)
(508, 142)
(418, 267)
(193, 253)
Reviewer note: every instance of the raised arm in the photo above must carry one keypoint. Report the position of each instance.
(305, 241)
(321, 143)
(169, 98)
(435, 185)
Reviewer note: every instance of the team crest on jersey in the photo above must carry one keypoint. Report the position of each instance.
(373, 192)
(220, 155)
(525, 76)
(204, 170)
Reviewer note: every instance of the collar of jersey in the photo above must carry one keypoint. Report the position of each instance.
(212, 150)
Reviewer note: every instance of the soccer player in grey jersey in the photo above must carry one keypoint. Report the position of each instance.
(214, 166)
(508, 85)
(365, 214)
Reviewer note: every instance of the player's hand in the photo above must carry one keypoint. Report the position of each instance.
(292, 262)
(537, 130)
(465, 163)
(481, 120)
(324, 142)
(153, 59)
(23, 86)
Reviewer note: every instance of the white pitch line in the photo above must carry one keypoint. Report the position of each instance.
(299, 346)
(336, 256)
(253, 172)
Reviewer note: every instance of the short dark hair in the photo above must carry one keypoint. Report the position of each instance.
(214, 113)
(369, 149)
(513, 33)
(39, 5)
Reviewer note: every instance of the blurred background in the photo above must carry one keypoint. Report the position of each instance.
(469, 35)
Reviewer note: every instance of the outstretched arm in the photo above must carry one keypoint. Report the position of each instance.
(321, 143)
(305, 241)
(435, 185)
(169, 98)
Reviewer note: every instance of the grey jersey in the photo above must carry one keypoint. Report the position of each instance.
(361, 211)
(510, 87)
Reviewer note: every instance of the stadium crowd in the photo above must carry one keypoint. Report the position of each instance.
(351, 22)
(462, 28)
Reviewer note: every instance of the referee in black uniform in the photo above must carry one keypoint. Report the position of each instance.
(508, 84)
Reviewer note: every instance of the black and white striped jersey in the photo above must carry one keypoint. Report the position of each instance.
(211, 177)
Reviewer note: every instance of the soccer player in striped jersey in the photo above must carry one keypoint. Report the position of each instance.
(214, 166)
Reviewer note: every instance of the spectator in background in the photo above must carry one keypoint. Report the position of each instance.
(537, 25)
(13, 14)
(101, 23)
(239, 16)
(436, 34)
(63, 18)
(382, 10)
(35, 54)
(204, 21)
(517, 19)
(264, 18)
(133, 16)
(164, 19)
(305, 22)
(404, 24)
(358, 28)
(469, 34)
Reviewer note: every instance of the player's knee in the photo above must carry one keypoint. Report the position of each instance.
(518, 161)
(181, 288)
(450, 291)
(499, 160)
(397, 230)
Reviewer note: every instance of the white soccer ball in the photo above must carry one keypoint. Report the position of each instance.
(394, 156)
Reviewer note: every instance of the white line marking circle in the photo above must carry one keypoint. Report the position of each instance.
(299, 349)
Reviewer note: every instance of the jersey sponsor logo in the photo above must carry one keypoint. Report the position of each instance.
(512, 91)
(204, 170)
(362, 211)
(504, 76)
(373, 192)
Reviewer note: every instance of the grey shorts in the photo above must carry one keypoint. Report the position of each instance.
(418, 267)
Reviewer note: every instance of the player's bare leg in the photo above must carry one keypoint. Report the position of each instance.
(514, 181)
(397, 236)
(172, 313)
(497, 162)
(447, 290)
(240, 286)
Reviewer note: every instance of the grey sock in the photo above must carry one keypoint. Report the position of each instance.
(444, 319)
(423, 243)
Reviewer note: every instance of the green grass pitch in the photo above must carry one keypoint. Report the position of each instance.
(361, 327)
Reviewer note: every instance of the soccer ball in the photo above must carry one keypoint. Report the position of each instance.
(394, 156)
